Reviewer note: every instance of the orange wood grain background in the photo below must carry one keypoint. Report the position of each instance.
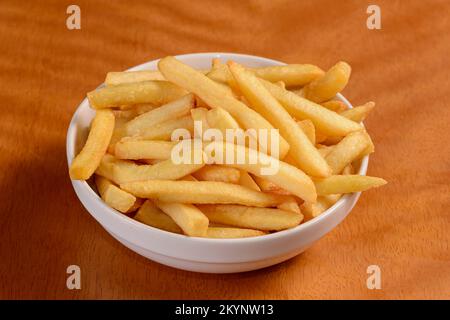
(46, 69)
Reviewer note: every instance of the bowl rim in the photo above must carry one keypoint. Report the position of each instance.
(70, 146)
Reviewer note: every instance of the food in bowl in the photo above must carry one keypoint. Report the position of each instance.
(229, 152)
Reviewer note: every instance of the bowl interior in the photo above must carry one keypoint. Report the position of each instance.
(79, 126)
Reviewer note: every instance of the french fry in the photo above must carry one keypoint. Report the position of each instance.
(287, 176)
(221, 74)
(325, 121)
(133, 111)
(139, 202)
(151, 161)
(174, 109)
(144, 149)
(308, 128)
(266, 219)
(217, 173)
(335, 105)
(346, 151)
(321, 138)
(346, 184)
(268, 186)
(220, 119)
(105, 168)
(163, 131)
(246, 180)
(281, 84)
(118, 133)
(155, 92)
(216, 97)
(127, 171)
(370, 148)
(199, 114)
(114, 196)
(116, 78)
(359, 113)
(290, 75)
(230, 233)
(327, 86)
(330, 141)
(298, 92)
(227, 88)
(188, 178)
(290, 204)
(301, 149)
(190, 219)
(324, 150)
(151, 215)
(348, 169)
(312, 210)
(87, 161)
(202, 192)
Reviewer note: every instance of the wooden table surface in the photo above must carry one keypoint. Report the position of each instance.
(46, 70)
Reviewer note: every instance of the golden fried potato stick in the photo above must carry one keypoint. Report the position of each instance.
(347, 184)
(114, 196)
(246, 180)
(139, 202)
(190, 219)
(154, 92)
(268, 186)
(188, 178)
(130, 112)
(87, 161)
(174, 109)
(266, 219)
(308, 128)
(324, 150)
(221, 119)
(118, 133)
(143, 149)
(217, 173)
(128, 171)
(163, 131)
(216, 97)
(230, 233)
(106, 167)
(312, 210)
(325, 121)
(327, 86)
(291, 75)
(290, 205)
(203, 192)
(359, 113)
(286, 176)
(347, 150)
(301, 149)
(371, 147)
(335, 105)
(116, 78)
(199, 114)
(151, 215)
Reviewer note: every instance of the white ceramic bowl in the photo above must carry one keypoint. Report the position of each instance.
(200, 254)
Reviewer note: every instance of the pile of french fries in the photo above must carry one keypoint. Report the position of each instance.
(320, 144)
